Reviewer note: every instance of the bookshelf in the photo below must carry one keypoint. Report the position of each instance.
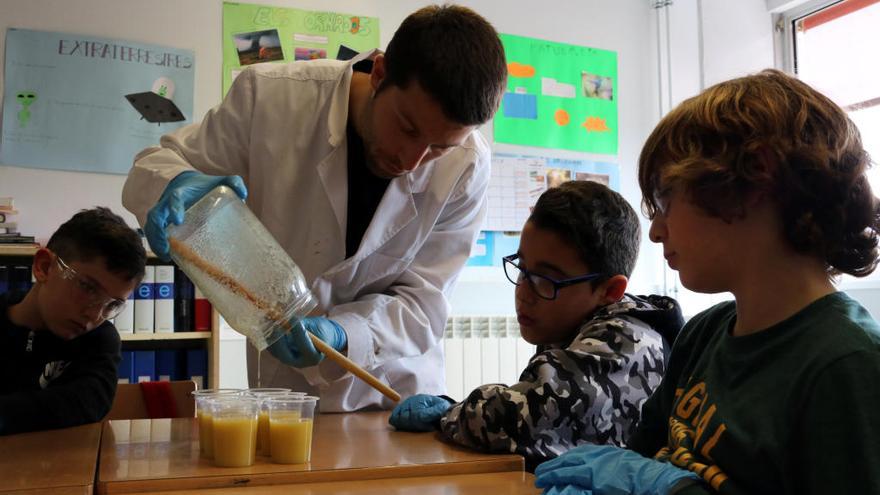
(210, 341)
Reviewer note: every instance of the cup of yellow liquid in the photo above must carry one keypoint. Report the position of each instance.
(262, 395)
(290, 428)
(234, 426)
(203, 413)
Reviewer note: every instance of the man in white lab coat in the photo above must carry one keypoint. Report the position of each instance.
(374, 182)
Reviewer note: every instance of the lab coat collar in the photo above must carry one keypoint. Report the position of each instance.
(337, 119)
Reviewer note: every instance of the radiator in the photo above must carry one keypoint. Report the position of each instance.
(481, 350)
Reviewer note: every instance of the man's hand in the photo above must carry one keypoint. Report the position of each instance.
(295, 348)
(181, 193)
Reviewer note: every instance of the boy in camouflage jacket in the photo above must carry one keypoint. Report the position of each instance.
(601, 352)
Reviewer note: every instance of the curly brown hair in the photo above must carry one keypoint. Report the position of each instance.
(770, 134)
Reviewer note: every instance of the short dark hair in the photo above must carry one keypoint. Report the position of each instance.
(456, 57)
(100, 233)
(770, 133)
(598, 222)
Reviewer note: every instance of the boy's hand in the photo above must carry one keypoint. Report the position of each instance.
(181, 193)
(605, 469)
(420, 412)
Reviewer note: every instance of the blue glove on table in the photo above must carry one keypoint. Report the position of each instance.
(604, 469)
(420, 412)
(295, 348)
(567, 490)
(181, 193)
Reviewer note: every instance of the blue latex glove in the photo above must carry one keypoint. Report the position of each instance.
(181, 193)
(296, 348)
(567, 490)
(604, 469)
(420, 412)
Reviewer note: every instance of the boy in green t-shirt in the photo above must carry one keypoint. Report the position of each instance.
(758, 187)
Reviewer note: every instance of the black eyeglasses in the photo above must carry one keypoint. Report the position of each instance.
(545, 287)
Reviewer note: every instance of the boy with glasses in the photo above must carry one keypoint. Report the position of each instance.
(601, 352)
(58, 351)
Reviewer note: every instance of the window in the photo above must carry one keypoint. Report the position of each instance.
(830, 45)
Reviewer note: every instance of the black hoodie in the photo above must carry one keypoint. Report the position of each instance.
(47, 382)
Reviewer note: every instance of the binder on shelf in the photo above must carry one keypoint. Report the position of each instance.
(197, 367)
(184, 295)
(20, 278)
(144, 303)
(145, 366)
(124, 321)
(4, 279)
(126, 367)
(164, 296)
(168, 365)
(202, 318)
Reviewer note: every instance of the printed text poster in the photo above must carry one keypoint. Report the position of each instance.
(64, 104)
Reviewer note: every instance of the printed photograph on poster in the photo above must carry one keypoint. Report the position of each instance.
(301, 53)
(258, 46)
(556, 176)
(600, 178)
(596, 86)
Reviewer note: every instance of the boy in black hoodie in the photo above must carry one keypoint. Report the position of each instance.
(601, 352)
(58, 351)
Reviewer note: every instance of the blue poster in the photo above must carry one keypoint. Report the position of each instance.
(86, 103)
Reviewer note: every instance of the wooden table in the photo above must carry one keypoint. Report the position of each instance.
(54, 461)
(509, 483)
(163, 454)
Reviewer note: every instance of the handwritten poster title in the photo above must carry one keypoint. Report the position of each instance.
(112, 51)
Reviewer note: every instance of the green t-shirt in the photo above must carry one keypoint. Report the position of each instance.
(793, 409)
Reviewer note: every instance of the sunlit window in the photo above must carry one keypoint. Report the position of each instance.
(834, 50)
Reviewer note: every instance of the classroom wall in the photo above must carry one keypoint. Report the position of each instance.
(735, 40)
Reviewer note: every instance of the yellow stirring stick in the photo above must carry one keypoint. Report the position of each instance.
(233, 285)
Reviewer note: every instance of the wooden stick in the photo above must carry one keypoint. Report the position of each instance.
(233, 285)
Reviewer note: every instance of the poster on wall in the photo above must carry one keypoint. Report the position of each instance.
(517, 182)
(515, 185)
(86, 103)
(558, 96)
(260, 33)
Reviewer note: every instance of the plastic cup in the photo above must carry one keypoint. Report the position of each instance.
(235, 430)
(203, 413)
(262, 395)
(248, 277)
(290, 428)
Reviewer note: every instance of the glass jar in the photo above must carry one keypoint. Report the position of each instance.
(248, 277)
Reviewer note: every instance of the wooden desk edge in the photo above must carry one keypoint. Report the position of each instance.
(55, 490)
(509, 464)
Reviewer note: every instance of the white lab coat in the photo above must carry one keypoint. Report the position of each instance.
(282, 129)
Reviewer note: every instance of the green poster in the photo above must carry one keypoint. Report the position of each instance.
(260, 33)
(558, 96)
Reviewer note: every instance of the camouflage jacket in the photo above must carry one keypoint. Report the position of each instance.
(590, 391)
